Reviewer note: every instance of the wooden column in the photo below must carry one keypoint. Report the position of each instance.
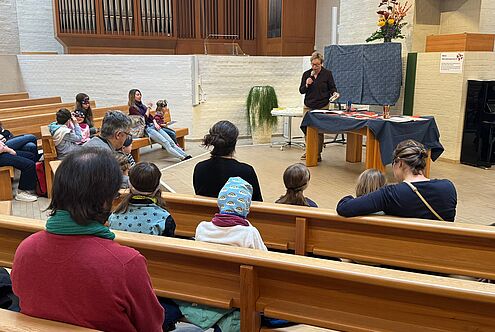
(250, 318)
(100, 21)
(311, 146)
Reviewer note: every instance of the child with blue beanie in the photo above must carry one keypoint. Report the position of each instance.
(230, 226)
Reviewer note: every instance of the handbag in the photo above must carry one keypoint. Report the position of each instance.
(137, 126)
(413, 188)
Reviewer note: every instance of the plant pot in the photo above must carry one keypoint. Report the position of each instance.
(387, 40)
(262, 134)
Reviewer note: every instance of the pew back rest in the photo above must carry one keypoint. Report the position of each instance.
(306, 290)
(409, 243)
(14, 96)
(29, 102)
(36, 110)
(15, 321)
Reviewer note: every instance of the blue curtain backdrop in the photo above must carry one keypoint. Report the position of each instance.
(368, 74)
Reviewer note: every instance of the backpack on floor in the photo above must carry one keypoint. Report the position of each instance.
(41, 183)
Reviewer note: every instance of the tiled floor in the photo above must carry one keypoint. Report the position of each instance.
(331, 180)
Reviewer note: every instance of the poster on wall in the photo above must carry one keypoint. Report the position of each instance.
(451, 62)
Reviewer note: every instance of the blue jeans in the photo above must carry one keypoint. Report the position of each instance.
(22, 161)
(25, 143)
(171, 133)
(162, 138)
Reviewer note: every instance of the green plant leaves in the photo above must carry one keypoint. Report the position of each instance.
(260, 102)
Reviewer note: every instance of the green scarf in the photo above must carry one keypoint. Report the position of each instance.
(62, 224)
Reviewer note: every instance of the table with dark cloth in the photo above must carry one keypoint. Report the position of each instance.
(387, 133)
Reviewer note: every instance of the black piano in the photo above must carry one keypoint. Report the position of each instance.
(478, 137)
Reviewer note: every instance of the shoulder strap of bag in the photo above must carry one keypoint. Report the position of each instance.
(413, 188)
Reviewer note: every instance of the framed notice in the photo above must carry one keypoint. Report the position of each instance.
(451, 62)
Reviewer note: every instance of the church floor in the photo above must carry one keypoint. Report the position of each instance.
(330, 181)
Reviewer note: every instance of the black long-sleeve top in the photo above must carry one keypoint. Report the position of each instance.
(399, 200)
(211, 175)
(319, 92)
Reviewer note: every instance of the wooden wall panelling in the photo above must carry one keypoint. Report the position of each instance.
(298, 28)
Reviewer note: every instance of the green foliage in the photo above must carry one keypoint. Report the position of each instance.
(387, 33)
(260, 102)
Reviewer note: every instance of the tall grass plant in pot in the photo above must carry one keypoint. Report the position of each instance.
(260, 102)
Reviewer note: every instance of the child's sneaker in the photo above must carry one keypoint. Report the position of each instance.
(24, 196)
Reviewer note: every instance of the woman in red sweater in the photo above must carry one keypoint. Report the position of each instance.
(73, 271)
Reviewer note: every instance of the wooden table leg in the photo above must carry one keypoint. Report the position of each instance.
(311, 146)
(428, 164)
(354, 148)
(373, 155)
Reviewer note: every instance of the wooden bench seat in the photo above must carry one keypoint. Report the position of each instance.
(14, 96)
(15, 112)
(14, 321)
(29, 102)
(328, 294)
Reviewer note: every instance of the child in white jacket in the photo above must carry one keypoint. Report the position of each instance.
(230, 226)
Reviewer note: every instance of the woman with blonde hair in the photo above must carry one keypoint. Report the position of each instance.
(415, 196)
(296, 180)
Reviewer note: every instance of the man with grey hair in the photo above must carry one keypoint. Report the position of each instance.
(114, 131)
(319, 87)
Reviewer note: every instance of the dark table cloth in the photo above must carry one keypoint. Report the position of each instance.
(388, 133)
(367, 74)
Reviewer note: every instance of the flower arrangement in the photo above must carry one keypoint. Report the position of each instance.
(390, 20)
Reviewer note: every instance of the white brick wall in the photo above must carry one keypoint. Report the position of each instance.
(487, 14)
(9, 42)
(108, 79)
(36, 31)
(227, 80)
(459, 16)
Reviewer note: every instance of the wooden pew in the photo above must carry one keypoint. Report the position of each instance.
(452, 248)
(14, 96)
(14, 321)
(6, 176)
(50, 154)
(329, 294)
(29, 102)
(15, 112)
(6, 207)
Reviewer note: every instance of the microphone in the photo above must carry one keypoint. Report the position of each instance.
(312, 73)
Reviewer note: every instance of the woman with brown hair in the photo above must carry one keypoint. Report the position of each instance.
(296, 180)
(152, 128)
(415, 196)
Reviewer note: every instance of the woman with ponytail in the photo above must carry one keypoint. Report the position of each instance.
(296, 180)
(415, 196)
(211, 175)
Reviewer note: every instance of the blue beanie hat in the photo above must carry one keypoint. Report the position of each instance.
(235, 197)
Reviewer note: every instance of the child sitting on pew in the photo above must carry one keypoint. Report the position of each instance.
(369, 181)
(161, 110)
(143, 209)
(229, 227)
(85, 130)
(66, 133)
(296, 180)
